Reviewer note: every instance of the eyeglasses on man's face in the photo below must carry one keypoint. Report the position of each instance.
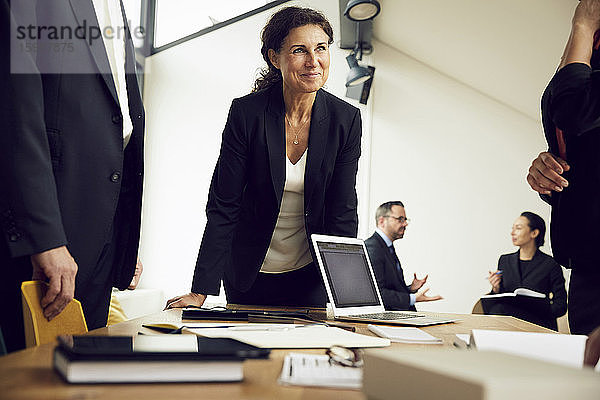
(402, 220)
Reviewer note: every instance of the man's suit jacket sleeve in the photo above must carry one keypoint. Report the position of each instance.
(341, 204)
(29, 210)
(222, 209)
(575, 100)
(393, 299)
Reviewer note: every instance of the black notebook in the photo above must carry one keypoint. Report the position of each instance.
(522, 303)
(152, 358)
(243, 315)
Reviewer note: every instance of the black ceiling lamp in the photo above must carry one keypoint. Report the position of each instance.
(357, 74)
(359, 11)
(362, 10)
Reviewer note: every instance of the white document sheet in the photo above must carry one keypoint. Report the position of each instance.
(290, 337)
(517, 291)
(315, 370)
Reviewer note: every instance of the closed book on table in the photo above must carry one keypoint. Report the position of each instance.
(152, 358)
(472, 375)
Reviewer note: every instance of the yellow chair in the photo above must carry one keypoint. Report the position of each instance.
(38, 330)
(116, 313)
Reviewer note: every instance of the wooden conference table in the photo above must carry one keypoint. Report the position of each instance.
(28, 374)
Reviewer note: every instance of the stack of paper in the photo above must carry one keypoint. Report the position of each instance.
(404, 334)
(562, 349)
(315, 370)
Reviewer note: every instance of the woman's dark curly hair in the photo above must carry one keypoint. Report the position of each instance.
(274, 33)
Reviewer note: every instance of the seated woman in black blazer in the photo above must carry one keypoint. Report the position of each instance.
(530, 268)
(286, 169)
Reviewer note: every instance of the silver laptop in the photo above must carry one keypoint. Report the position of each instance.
(351, 286)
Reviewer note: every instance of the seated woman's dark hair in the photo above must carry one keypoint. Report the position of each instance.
(536, 222)
(274, 33)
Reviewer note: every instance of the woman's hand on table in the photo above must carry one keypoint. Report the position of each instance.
(190, 299)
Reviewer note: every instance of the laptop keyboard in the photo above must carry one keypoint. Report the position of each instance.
(389, 316)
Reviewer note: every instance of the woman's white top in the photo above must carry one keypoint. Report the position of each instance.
(289, 249)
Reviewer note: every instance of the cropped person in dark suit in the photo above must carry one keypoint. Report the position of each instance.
(287, 169)
(531, 269)
(71, 156)
(567, 175)
(397, 295)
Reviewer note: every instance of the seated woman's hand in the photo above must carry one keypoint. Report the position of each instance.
(494, 278)
(190, 299)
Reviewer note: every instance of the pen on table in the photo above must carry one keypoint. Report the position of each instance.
(262, 328)
(245, 328)
(230, 327)
(168, 329)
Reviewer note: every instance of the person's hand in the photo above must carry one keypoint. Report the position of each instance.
(592, 348)
(139, 268)
(190, 299)
(417, 283)
(587, 15)
(545, 173)
(421, 296)
(494, 278)
(59, 268)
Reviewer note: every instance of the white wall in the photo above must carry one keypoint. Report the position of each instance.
(457, 159)
(188, 91)
(507, 49)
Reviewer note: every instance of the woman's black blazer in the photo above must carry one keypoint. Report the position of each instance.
(247, 184)
(545, 276)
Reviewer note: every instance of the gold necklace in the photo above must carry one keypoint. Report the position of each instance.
(295, 131)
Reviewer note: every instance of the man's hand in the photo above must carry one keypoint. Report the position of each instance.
(592, 348)
(417, 283)
(421, 296)
(139, 268)
(60, 269)
(545, 173)
(190, 299)
(494, 278)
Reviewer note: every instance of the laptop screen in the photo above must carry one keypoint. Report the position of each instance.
(348, 273)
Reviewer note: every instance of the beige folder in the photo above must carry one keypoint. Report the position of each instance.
(472, 375)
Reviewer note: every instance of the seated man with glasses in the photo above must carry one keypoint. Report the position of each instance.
(397, 295)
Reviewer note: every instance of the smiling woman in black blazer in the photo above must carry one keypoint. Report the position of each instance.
(530, 268)
(287, 169)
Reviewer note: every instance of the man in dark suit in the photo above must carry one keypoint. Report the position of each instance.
(71, 156)
(397, 295)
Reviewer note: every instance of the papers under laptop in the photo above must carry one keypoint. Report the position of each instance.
(351, 285)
